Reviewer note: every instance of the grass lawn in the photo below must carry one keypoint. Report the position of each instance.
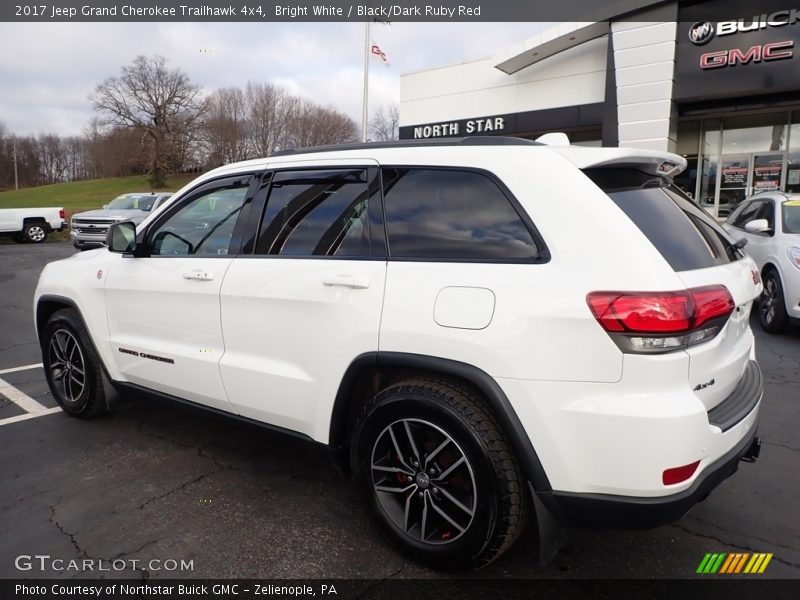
(78, 196)
(84, 194)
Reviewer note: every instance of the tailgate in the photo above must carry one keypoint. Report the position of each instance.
(715, 367)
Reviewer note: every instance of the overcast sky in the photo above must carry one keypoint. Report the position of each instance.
(48, 70)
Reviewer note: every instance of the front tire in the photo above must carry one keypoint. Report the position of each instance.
(35, 232)
(72, 367)
(437, 475)
(771, 304)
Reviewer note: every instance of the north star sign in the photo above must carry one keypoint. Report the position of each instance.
(458, 128)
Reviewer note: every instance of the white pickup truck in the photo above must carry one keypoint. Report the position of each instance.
(31, 224)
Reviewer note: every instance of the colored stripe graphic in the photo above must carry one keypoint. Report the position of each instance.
(736, 562)
(741, 563)
(711, 562)
(727, 564)
(704, 563)
(758, 563)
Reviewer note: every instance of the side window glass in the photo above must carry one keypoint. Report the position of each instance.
(746, 215)
(203, 227)
(766, 211)
(317, 213)
(452, 214)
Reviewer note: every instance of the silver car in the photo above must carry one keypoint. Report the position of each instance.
(88, 229)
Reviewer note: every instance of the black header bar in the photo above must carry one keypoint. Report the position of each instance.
(317, 10)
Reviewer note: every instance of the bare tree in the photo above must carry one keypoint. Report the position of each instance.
(224, 132)
(313, 125)
(385, 124)
(52, 157)
(269, 110)
(147, 95)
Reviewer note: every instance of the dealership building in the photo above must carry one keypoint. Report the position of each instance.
(711, 81)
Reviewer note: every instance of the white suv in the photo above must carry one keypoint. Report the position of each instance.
(770, 223)
(483, 330)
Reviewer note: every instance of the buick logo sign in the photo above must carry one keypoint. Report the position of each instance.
(701, 33)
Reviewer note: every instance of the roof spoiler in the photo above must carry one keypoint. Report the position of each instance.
(554, 139)
(654, 162)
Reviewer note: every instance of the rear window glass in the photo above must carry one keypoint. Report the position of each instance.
(686, 236)
(452, 214)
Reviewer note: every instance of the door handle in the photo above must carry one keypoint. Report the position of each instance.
(358, 283)
(199, 275)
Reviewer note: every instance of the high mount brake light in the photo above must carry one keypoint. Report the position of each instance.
(653, 322)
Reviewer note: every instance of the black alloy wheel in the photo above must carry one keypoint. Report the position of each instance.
(72, 366)
(771, 304)
(437, 474)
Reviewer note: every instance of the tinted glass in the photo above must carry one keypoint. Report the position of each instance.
(742, 214)
(686, 236)
(132, 202)
(790, 212)
(452, 214)
(766, 210)
(317, 213)
(203, 227)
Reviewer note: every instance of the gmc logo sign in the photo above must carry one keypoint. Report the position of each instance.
(755, 54)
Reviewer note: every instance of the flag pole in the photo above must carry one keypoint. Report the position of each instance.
(365, 114)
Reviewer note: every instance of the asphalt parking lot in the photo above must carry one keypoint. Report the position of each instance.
(156, 481)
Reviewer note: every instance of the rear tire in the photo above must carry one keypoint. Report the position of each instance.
(771, 304)
(72, 367)
(35, 232)
(438, 476)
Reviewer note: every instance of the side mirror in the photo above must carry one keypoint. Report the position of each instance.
(757, 226)
(121, 237)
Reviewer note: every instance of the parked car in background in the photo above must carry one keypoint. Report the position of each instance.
(89, 228)
(31, 224)
(770, 223)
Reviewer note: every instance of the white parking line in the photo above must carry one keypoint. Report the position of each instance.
(21, 399)
(31, 407)
(25, 368)
(25, 417)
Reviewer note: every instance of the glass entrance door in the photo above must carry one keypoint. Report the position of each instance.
(734, 182)
(767, 172)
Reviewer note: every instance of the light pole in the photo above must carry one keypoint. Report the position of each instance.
(16, 178)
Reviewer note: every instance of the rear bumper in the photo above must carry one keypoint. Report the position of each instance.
(605, 510)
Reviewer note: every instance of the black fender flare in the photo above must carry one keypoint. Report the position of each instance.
(509, 421)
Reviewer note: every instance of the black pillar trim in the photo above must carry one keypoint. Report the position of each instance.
(610, 133)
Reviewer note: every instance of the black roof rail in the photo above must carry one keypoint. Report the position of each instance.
(475, 140)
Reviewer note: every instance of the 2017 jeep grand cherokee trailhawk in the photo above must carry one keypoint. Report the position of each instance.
(488, 330)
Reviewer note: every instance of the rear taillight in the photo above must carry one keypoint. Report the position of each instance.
(61, 214)
(652, 322)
